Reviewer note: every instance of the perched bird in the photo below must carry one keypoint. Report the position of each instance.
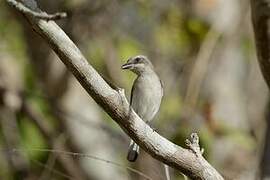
(146, 94)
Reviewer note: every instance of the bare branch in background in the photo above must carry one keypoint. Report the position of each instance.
(68, 164)
(81, 155)
(200, 67)
(17, 163)
(260, 10)
(9, 103)
(116, 105)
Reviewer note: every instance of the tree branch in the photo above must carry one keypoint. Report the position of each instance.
(193, 144)
(42, 15)
(116, 105)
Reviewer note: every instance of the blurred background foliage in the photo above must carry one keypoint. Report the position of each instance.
(203, 51)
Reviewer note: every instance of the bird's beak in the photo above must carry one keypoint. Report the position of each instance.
(127, 66)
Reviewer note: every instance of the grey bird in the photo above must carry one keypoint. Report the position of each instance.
(146, 94)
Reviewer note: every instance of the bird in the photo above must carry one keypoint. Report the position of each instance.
(146, 94)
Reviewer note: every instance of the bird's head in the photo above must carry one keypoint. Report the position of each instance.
(138, 64)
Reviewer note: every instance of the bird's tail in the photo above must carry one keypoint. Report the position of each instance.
(133, 151)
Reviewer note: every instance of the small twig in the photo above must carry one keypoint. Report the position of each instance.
(49, 168)
(81, 155)
(41, 15)
(193, 144)
(49, 164)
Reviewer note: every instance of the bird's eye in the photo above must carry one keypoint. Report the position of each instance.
(137, 60)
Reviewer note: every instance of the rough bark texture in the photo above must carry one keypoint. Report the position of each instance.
(114, 102)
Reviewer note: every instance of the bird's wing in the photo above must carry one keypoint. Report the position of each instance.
(135, 99)
(131, 96)
(132, 91)
(162, 89)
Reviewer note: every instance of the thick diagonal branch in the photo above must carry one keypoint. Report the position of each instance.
(116, 105)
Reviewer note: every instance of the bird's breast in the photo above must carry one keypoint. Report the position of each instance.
(146, 96)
